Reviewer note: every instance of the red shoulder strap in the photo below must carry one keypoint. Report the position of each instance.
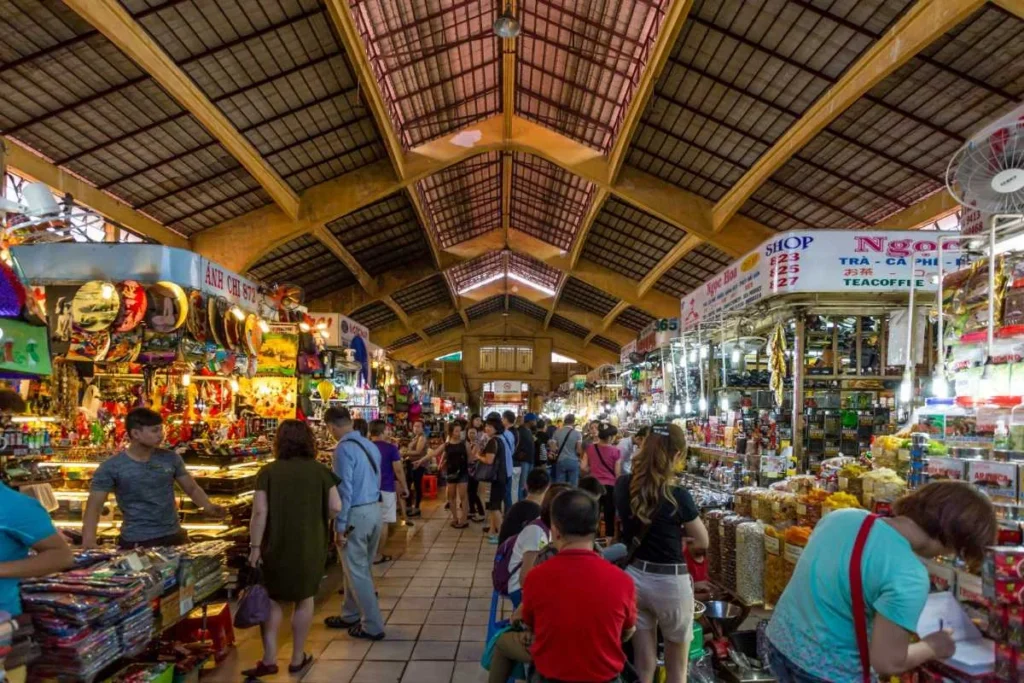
(860, 624)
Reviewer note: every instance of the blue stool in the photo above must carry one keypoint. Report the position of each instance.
(493, 623)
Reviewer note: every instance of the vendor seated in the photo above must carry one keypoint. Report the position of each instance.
(579, 609)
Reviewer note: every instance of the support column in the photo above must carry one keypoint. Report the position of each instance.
(799, 343)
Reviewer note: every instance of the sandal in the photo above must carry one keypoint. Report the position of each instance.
(260, 670)
(358, 632)
(338, 622)
(460, 526)
(307, 659)
(383, 559)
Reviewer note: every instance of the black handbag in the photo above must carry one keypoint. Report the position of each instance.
(489, 471)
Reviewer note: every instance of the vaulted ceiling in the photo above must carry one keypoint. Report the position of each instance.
(407, 167)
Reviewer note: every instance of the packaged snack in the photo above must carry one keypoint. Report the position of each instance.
(1004, 591)
(1004, 562)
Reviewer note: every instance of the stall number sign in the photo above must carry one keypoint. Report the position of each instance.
(657, 334)
(236, 289)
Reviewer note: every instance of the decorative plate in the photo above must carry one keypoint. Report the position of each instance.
(133, 306)
(96, 306)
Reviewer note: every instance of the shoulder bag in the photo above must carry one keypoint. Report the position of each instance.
(860, 619)
(253, 604)
(562, 447)
(488, 471)
(373, 466)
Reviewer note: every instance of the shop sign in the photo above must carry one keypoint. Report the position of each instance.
(340, 329)
(65, 263)
(821, 261)
(659, 333)
(626, 351)
(24, 348)
(578, 381)
(507, 391)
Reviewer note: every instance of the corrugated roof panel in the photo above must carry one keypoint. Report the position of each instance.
(527, 307)
(407, 340)
(628, 240)
(582, 295)
(606, 343)
(384, 235)
(566, 325)
(450, 323)
(424, 294)
(464, 201)
(374, 315)
(486, 307)
(548, 202)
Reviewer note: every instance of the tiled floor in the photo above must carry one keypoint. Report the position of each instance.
(435, 597)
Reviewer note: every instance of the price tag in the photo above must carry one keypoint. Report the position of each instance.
(755, 508)
(772, 545)
(793, 552)
(843, 483)
(134, 562)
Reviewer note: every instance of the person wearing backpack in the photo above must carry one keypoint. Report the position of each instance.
(515, 557)
(603, 457)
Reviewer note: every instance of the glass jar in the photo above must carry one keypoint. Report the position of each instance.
(750, 562)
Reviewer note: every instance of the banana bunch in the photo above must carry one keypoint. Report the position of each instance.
(777, 361)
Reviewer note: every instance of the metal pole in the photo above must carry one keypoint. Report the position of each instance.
(798, 390)
(991, 288)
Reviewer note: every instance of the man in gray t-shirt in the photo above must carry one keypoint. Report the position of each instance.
(565, 447)
(142, 479)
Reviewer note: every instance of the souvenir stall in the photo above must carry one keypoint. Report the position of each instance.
(347, 377)
(135, 325)
(803, 343)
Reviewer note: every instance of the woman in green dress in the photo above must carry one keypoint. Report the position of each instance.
(296, 499)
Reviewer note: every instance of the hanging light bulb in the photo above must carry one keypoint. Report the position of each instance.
(724, 404)
(663, 408)
(703, 352)
(693, 355)
(940, 387)
(186, 379)
(233, 384)
(506, 25)
(702, 404)
(264, 327)
(736, 355)
(679, 408)
(689, 407)
(906, 390)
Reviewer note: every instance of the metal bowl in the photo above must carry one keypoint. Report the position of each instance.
(721, 610)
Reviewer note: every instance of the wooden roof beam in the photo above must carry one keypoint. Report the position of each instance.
(114, 22)
(403, 318)
(607, 321)
(925, 22)
(671, 26)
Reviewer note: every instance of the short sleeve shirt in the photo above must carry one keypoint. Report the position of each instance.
(563, 443)
(813, 625)
(663, 543)
(532, 538)
(23, 523)
(389, 455)
(144, 493)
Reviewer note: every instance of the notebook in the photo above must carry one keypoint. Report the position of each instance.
(974, 654)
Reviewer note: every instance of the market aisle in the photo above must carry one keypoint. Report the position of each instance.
(435, 597)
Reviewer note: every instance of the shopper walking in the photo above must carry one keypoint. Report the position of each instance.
(656, 515)
(357, 527)
(295, 502)
(814, 635)
(142, 479)
(603, 457)
(511, 436)
(494, 454)
(392, 484)
(565, 450)
(476, 505)
(628, 447)
(540, 441)
(525, 453)
(415, 451)
(455, 465)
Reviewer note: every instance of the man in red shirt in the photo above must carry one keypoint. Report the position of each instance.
(579, 607)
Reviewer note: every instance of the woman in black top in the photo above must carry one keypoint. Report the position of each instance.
(455, 464)
(656, 515)
(494, 453)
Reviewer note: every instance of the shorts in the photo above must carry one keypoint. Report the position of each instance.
(389, 506)
(665, 602)
(497, 497)
(458, 478)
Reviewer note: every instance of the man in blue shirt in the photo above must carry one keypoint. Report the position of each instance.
(357, 527)
(510, 447)
(25, 526)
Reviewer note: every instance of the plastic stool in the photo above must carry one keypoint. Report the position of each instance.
(429, 486)
(211, 622)
(493, 623)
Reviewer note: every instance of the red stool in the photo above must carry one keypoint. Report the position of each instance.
(429, 486)
(209, 622)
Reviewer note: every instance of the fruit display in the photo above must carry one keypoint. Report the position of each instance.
(808, 507)
(839, 501)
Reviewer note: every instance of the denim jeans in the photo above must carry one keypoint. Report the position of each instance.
(567, 470)
(786, 671)
(526, 467)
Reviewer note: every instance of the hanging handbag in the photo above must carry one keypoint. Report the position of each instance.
(253, 603)
(860, 618)
(488, 471)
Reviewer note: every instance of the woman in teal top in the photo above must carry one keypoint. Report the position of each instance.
(812, 636)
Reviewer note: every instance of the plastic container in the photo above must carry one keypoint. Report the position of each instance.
(774, 565)
(750, 562)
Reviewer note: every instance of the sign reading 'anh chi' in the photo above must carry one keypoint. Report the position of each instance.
(824, 261)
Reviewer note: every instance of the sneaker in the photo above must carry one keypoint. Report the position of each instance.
(493, 540)
(408, 523)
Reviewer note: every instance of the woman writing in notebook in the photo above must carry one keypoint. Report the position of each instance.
(872, 564)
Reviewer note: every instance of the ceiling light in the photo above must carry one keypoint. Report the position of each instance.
(506, 25)
(481, 283)
(539, 288)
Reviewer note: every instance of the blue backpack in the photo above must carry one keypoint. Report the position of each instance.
(501, 573)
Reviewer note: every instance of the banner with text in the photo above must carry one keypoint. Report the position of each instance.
(825, 261)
